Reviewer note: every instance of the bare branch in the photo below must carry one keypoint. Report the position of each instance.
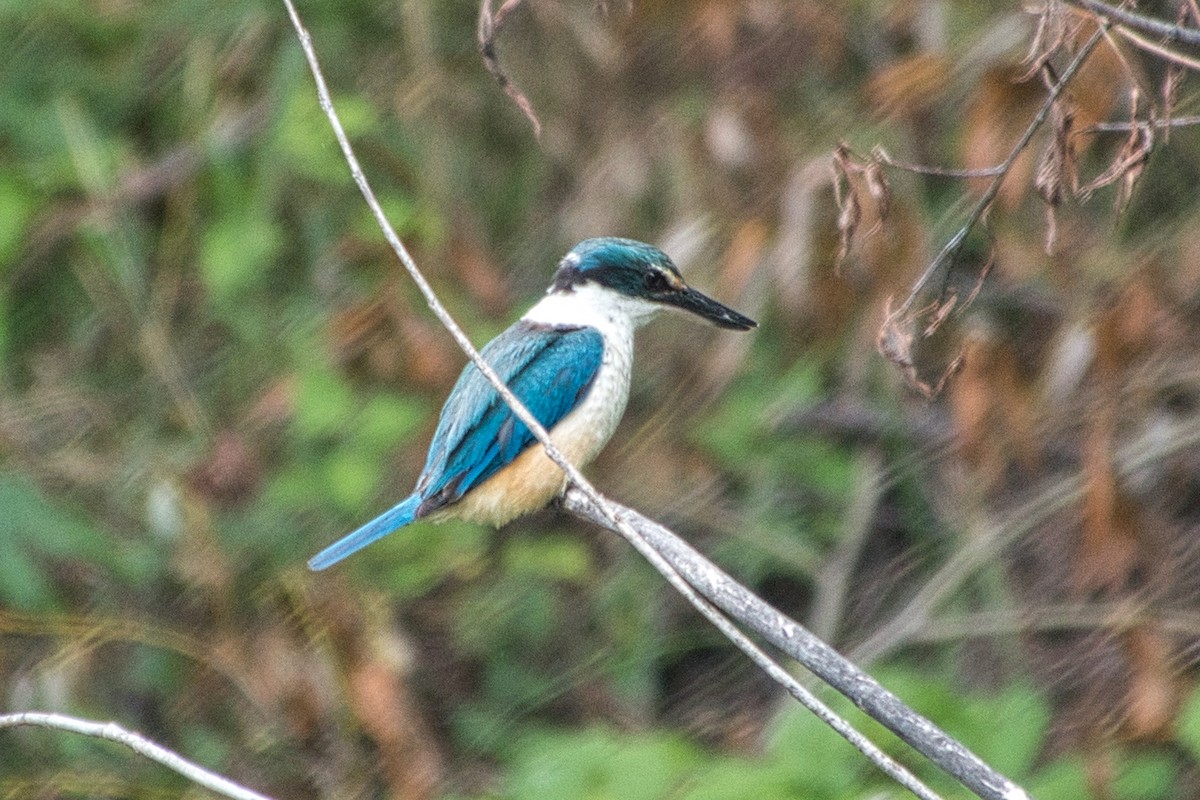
(952, 247)
(582, 506)
(942, 172)
(1163, 52)
(1154, 27)
(896, 335)
(138, 744)
(1126, 127)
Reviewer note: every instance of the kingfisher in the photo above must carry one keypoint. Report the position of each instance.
(568, 359)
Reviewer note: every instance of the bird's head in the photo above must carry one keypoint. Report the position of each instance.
(635, 270)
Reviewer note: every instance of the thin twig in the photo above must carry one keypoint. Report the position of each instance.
(137, 743)
(1163, 30)
(1126, 127)
(941, 172)
(1114, 617)
(1163, 52)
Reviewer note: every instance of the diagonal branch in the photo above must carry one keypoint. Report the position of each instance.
(680, 567)
(737, 601)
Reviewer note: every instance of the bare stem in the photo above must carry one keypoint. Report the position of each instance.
(1154, 27)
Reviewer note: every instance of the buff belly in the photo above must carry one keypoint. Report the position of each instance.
(527, 484)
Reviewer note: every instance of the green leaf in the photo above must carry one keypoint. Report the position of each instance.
(16, 208)
(352, 478)
(324, 404)
(1187, 730)
(305, 140)
(34, 528)
(598, 763)
(1148, 776)
(555, 558)
(388, 420)
(236, 253)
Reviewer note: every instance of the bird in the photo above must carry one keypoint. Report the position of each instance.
(568, 359)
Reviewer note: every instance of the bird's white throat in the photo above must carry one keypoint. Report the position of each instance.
(609, 311)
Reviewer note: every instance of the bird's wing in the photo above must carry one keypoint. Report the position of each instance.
(548, 369)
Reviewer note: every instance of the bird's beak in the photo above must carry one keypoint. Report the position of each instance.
(702, 305)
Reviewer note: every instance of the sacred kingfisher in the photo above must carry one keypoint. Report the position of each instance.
(568, 360)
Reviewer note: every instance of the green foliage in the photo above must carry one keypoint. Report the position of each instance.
(1187, 732)
(40, 533)
(802, 757)
(597, 764)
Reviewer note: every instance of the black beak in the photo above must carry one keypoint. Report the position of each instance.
(702, 305)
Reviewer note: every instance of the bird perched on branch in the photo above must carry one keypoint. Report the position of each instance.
(568, 360)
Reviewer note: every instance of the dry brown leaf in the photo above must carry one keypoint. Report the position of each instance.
(1108, 547)
(849, 170)
(1127, 166)
(895, 342)
(878, 187)
(490, 24)
(1154, 693)
(1057, 169)
(911, 85)
(845, 195)
(997, 113)
(1051, 33)
(1170, 96)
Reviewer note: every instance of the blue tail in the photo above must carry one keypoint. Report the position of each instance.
(396, 517)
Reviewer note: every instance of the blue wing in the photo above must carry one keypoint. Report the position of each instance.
(548, 369)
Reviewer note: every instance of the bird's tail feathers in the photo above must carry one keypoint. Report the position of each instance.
(396, 517)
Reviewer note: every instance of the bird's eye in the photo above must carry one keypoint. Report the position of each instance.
(656, 282)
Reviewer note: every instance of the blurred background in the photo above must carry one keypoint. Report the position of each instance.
(211, 366)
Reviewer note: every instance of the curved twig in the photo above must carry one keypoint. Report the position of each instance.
(952, 247)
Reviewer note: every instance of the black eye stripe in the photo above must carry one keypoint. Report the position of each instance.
(656, 282)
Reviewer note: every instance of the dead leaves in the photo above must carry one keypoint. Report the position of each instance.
(851, 177)
(489, 27)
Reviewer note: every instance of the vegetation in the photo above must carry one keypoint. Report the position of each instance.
(211, 366)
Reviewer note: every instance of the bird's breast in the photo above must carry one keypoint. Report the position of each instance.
(531, 480)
